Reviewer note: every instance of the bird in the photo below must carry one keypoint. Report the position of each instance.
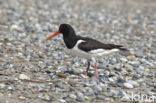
(86, 47)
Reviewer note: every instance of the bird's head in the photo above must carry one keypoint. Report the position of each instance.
(65, 29)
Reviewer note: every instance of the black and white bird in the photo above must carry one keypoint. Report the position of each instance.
(86, 47)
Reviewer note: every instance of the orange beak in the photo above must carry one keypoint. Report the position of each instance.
(56, 33)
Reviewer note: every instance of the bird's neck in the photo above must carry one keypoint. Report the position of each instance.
(70, 40)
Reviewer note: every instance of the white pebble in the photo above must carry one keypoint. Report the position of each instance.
(128, 85)
(24, 77)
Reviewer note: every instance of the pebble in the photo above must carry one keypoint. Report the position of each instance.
(62, 101)
(22, 98)
(26, 95)
(97, 89)
(139, 53)
(111, 79)
(2, 86)
(120, 80)
(80, 97)
(89, 92)
(134, 63)
(153, 90)
(45, 97)
(128, 85)
(121, 94)
(134, 83)
(15, 27)
(10, 88)
(124, 60)
(24, 77)
(89, 84)
(101, 97)
(73, 96)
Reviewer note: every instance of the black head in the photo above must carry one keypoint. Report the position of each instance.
(66, 30)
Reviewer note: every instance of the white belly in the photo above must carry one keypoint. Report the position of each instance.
(80, 54)
(99, 53)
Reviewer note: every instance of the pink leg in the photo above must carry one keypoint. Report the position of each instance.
(96, 70)
(86, 73)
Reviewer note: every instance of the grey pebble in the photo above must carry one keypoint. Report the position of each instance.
(80, 97)
(101, 97)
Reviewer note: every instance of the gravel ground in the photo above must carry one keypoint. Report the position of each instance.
(30, 66)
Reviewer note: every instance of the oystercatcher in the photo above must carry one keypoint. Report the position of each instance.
(86, 47)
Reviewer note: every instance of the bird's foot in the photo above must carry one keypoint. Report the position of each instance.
(95, 76)
(86, 74)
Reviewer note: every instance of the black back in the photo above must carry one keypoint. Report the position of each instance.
(91, 44)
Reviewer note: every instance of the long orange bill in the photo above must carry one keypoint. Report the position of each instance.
(56, 33)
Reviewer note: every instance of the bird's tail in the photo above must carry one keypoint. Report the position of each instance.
(123, 48)
(124, 51)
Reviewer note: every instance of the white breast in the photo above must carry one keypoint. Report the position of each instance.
(76, 51)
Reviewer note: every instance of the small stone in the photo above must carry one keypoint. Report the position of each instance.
(88, 84)
(60, 85)
(101, 97)
(26, 95)
(130, 57)
(134, 63)
(128, 85)
(128, 66)
(14, 27)
(62, 100)
(121, 94)
(62, 75)
(22, 98)
(124, 60)
(68, 100)
(147, 70)
(110, 79)
(45, 97)
(150, 83)
(139, 53)
(97, 89)
(40, 95)
(134, 83)
(89, 92)
(80, 97)
(106, 73)
(23, 77)
(2, 86)
(41, 64)
(154, 89)
(10, 88)
(48, 71)
(120, 80)
(73, 96)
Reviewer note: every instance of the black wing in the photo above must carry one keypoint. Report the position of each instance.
(91, 44)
